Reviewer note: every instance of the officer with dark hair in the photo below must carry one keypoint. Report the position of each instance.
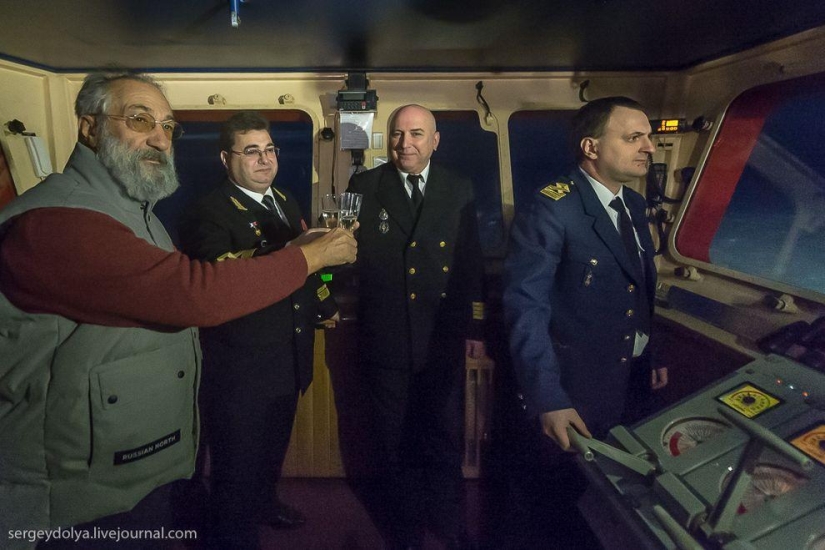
(256, 366)
(578, 299)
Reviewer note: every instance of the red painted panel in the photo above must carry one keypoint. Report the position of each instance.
(727, 159)
(7, 189)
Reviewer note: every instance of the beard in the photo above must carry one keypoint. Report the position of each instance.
(142, 181)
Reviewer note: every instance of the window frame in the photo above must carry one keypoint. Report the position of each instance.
(729, 131)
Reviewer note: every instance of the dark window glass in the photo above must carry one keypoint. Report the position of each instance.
(468, 149)
(197, 158)
(539, 150)
(759, 203)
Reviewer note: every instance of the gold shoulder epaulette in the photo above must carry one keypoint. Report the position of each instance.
(322, 292)
(283, 197)
(478, 311)
(238, 204)
(557, 190)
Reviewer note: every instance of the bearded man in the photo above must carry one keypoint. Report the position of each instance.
(99, 371)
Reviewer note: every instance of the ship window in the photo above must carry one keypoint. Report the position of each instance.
(468, 149)
(758, 207)
(539, 150)
(197, 158)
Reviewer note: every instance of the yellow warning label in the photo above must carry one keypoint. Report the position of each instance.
(749, 400)
(812, 443)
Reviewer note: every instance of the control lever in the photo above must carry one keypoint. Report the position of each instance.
(587, 446)
(683, 539)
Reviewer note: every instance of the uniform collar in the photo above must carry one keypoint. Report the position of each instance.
(425, 174)
(257, 197)
(602, 192)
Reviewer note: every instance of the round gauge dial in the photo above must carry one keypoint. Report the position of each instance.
(768, 481)
(751, 400)
(687, 433)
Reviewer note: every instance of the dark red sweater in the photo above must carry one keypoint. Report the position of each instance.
(87, 267)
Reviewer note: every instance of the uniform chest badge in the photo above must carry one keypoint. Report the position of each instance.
(254, 226)
(383, 227)
(556, 190)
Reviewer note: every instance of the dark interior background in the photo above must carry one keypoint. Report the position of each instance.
(388, 35)
(197, 159)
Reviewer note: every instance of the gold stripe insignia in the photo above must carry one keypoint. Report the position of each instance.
(323, 292)
(235, 255)
(283, 197)
(478, 311)
(238, 204)
(556, 190)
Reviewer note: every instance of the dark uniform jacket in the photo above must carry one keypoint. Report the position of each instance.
(419, 283)
(227, 224)
(574, 300)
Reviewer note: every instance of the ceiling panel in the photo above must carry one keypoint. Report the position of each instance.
(392, 35)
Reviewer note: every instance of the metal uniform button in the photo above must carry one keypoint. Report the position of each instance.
(443, 294)
(413, 244)
(626, 337)
(623, 360)
(297, 330)
(412, 296)
(442, 244)
(181, 374)
(412, 271)
(445, 269)
(296, 307)
(112, 399)
(631, 288)
(594, 261)
(628, 313)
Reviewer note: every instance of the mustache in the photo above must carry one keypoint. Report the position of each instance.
(140, 180)
(154, 155)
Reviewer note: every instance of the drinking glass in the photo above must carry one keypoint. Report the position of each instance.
(329, 211)
(350, 206)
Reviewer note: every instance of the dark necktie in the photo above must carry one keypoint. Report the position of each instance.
(416, 197)
(629, 240)
(269, 203)
(626, 229)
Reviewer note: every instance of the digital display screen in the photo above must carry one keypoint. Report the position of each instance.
(668, 125)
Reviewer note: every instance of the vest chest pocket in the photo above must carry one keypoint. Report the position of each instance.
(142, 413)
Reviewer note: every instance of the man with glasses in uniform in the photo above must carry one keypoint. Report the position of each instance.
(99, 369)
(255, 366)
